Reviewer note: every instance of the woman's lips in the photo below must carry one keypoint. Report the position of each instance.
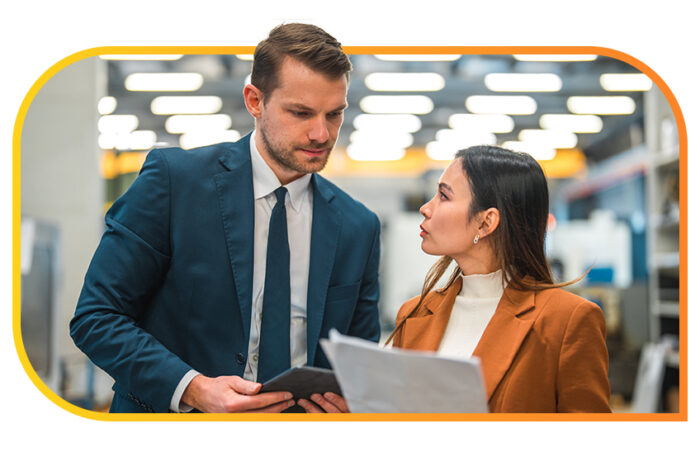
(423, 232)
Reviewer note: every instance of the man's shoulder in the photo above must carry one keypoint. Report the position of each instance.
(344, 201)
(212, 155)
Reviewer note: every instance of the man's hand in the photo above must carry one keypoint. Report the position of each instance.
(328, 403)
(232, 394)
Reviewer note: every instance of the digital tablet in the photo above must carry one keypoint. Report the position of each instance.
(303, 381)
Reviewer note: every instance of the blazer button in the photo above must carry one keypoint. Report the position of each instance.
(240, 359)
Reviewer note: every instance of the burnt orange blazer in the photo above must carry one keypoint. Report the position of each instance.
(542, 351)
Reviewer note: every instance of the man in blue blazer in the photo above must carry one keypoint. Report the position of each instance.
(181, 302)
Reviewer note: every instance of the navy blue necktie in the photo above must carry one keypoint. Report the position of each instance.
(273, 353)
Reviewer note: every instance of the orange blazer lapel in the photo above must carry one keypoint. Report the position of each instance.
(424, 331)
(504, 334)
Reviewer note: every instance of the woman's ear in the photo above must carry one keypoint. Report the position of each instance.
(490, 219)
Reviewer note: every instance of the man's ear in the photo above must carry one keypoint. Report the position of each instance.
(490, 218)
(253, 98)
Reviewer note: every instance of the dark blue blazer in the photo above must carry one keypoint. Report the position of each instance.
(170, 286)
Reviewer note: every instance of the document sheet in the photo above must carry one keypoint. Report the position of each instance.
(388, 380)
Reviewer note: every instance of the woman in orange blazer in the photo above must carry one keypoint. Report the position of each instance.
(542, 349)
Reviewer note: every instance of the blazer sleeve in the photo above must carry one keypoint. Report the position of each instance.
(129, 265)
(582, 381)
(365, 320)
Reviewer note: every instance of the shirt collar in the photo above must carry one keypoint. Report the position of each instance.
(266, 182)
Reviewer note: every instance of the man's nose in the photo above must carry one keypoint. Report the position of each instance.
(319, 130)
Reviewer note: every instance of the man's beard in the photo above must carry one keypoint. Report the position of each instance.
(285, 156)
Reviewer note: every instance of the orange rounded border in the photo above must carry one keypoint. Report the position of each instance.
(682, 415)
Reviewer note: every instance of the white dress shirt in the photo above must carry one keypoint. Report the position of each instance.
(473, 308)
(299, 206)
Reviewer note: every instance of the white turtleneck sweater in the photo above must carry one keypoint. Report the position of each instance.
(473, 308)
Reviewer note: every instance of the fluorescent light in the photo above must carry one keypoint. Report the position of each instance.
(199, 139)
(162, 57)
(370, 137)
(171, 105)
(613, 105)
(374, 153)
(548, 137)
(161, 82)
(573, 123)
(416, 104)
(440, 151)
(523, 82)
(106, 105)
(179, 124)
(418, 57)
(462, 139)
(554, 57)
(141, 140)
(406, 123)
(245, 56)
(481, 123)
(410, 82)
(450, 141)
(625, 82)
(135, 140)
(117, 123)
(537, 151)
(510, 105)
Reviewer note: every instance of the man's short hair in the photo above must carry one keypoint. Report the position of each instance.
(307, 43)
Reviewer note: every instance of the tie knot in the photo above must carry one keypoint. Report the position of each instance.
(280, 193)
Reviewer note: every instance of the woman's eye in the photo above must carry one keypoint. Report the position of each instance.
(442, 196)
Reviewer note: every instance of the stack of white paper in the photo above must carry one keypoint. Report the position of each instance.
(381, 380)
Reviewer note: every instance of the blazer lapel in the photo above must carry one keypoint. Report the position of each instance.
(325, 232)
(504, 334)
(234, 189)
(425, 332)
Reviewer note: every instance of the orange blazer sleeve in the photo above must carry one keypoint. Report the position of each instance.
(582, 382)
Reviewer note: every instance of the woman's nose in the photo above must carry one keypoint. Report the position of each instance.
(425, 210)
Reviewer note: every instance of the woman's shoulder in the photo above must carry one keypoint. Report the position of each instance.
(563, 305)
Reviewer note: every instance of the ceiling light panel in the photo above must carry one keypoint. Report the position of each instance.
(163, 82)
(172, 105)
(554, 57)
(481, 123)
(395, 139)
(401, 123)
(550, 138)
(117, 123)
(523, 82)
(179, 124)
(205, 138)
(572, 123)
(609, 105)
(414, 104)
(496, 104)
(629, 82)
(106, 105)
(404, 82)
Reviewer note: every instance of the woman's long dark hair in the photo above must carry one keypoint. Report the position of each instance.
(513, 183)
